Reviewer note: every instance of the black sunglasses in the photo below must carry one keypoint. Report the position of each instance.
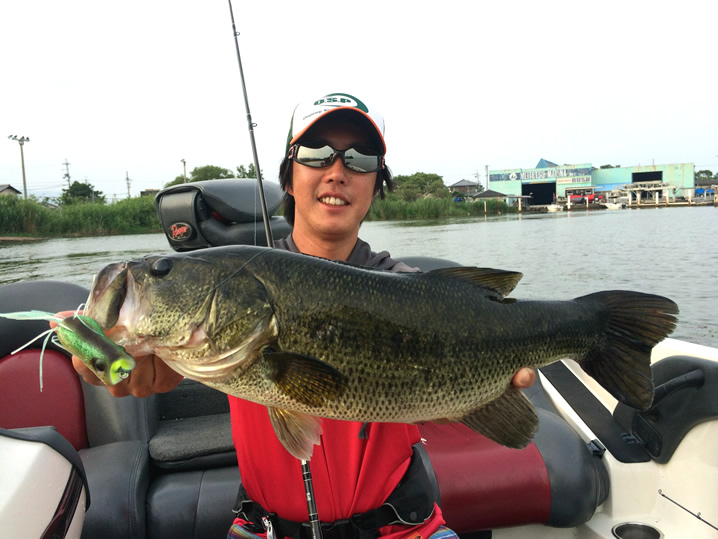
(353, 159)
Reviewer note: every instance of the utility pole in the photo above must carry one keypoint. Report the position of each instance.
(67, 172)
(476, 175)
(184, 163)
(487, 177)
(22, 140)
(127, 176)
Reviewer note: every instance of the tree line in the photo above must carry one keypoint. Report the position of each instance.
(82, 210)
(406, 188)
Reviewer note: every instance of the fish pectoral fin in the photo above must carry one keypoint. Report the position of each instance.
(509, 420)
(305, 379)
(499, 282)
(297, 432)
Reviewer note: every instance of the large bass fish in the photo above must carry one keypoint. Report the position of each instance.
(310, 338)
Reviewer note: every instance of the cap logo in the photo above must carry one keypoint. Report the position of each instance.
(341, 100)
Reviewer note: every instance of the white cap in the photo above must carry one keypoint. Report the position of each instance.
(307, 113)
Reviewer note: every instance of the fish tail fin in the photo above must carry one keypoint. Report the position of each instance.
(621, 361)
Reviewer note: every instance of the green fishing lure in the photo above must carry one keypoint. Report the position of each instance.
(82, 337)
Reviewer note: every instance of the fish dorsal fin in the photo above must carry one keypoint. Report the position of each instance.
(297, 432)
(509, 420)
(499, 281)
(305, 379)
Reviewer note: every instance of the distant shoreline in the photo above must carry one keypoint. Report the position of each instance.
(20, 238)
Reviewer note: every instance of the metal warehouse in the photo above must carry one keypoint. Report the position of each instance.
(549, 182)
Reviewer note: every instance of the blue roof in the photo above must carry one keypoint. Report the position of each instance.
(543, 163)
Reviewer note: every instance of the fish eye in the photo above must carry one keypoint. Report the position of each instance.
(97, 364)
(161, 267)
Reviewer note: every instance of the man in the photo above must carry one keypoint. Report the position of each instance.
(333, 168)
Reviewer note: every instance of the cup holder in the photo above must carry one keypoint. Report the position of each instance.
(636, 530)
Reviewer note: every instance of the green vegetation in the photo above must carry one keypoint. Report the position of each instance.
(425, 196)
(81, 193)
(211, 172)
(82, 210)
(420, 185)
(29, 218)
(705, 178)
(395, 209)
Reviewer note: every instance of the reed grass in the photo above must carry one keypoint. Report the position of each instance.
(395, 209)
(138, 215)
(29, 218)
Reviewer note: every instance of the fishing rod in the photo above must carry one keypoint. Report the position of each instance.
(306, 471)
(250, 125)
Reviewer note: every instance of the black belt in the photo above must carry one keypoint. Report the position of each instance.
(411, 503)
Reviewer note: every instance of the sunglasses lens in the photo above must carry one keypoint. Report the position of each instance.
(361, 162)
(315, 157)
(324, 156)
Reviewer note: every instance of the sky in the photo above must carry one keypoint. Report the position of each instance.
(130, 89)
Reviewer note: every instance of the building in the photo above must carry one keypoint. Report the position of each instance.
(465, 187)
(7, 189)
(549, 182)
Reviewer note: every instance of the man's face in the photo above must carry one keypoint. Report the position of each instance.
(331, 201)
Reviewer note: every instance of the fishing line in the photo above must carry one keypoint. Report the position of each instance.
(306, 473)
(250, 125)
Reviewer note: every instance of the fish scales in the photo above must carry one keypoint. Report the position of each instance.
(386, 344)
(309, 337)
(403, 357)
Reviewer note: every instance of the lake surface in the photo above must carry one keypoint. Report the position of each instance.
(668, 251)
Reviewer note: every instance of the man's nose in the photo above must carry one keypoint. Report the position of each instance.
(337, 171)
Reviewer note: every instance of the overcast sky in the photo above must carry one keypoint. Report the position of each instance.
(133, 87)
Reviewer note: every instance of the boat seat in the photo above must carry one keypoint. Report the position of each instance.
(557, 480)
(135, 493)
(44, 490)
(23, 404)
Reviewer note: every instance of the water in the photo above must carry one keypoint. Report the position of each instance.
(667, 251)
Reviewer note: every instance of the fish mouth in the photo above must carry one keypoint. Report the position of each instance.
(108, 293)
(116, 305)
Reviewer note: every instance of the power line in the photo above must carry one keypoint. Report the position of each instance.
(41, 187)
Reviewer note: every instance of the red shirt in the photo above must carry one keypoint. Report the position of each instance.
(350, 475)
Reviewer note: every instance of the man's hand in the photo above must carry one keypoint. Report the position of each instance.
(151, 375)
(524, 378)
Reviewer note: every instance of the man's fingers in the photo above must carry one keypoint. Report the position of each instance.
(85, 372)
(524, 378)
(151, 375)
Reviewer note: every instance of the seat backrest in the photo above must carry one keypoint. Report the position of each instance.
(218, 212)
(59, 404)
